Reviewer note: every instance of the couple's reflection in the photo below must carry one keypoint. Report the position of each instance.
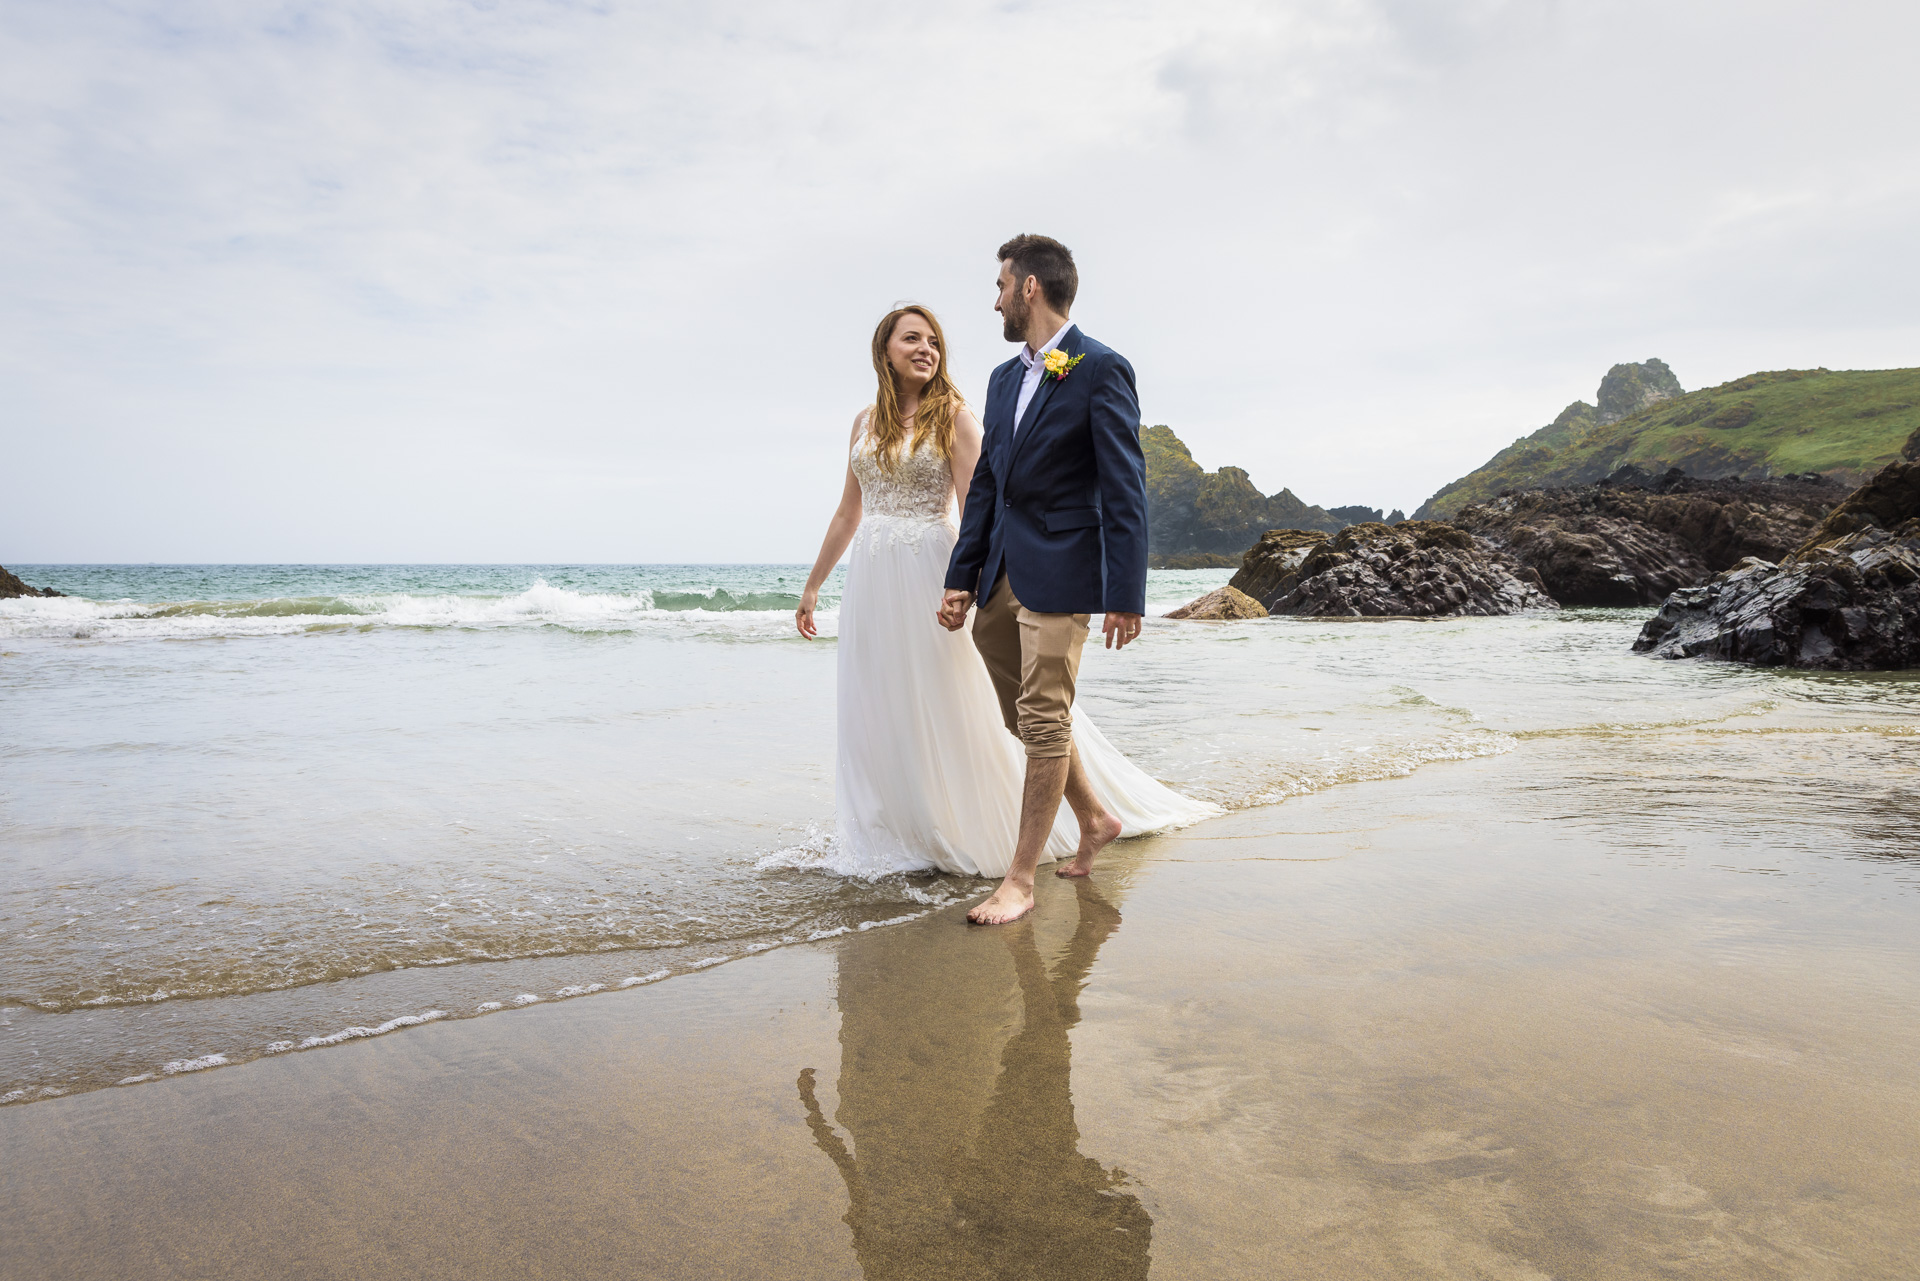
(956, 1096)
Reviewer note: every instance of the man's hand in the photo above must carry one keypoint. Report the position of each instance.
(953, 609)
(1120, 628)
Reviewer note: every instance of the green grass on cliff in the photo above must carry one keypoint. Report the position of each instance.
(1845, 423)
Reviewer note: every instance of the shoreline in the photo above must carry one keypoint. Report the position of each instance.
(1422, 1028)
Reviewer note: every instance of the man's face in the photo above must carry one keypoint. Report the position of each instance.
(1012, 306)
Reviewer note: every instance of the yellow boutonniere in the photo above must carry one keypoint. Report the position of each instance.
(1059, 364)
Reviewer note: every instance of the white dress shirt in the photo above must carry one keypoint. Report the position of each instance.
(1036, 370)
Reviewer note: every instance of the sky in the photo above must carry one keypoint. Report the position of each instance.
(484, 281)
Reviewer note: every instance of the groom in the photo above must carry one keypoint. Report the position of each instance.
(1055, 529)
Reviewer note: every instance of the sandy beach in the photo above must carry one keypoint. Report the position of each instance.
(1454, 1025)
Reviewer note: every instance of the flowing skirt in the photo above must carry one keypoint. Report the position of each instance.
(927, 775)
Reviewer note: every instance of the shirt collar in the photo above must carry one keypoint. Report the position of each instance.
(1030, 357)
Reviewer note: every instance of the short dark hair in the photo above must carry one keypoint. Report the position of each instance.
(1050, 262)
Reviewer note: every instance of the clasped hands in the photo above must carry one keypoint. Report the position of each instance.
(1119, 628)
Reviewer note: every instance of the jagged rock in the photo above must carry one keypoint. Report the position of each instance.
(1356, 514)
(1395, 516)
(1847, 599)
(1628, 389)
(1416, 569)
(1271, 566)
(1634, 538)
(11, 586)
(1850, 606)
(1220, 605)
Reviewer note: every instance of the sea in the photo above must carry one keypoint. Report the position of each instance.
(252, 810)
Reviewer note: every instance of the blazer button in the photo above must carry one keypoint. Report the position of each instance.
(1009, 502)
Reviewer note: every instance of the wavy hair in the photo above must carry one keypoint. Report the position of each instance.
(940, 400)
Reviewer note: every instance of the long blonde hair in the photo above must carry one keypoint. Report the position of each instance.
(940, 400)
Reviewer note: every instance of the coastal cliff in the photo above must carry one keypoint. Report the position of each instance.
(1842, 424)
(1197, 519)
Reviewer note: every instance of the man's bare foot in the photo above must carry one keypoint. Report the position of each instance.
(1105, 832)
(1009, 903)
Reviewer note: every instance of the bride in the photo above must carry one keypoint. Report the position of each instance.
(927, 775)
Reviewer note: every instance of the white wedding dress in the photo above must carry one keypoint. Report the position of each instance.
(927, 775)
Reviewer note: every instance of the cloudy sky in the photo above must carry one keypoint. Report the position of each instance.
(487, 280)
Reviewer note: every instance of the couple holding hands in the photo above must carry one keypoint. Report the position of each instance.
(1051, 491)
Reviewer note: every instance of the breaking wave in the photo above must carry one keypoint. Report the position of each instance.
(744, 613)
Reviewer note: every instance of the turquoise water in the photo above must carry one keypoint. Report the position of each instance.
(253, 809)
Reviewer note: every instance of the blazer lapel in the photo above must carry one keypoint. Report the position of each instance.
(1041, 394)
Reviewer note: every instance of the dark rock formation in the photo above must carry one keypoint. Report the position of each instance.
(1271, 566)
(1847, 599)
(1417, 569)
(1220, 605)
(1633, 538)
(1361, 515)
(11, 586)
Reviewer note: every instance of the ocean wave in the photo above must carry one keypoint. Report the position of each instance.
(743, 614)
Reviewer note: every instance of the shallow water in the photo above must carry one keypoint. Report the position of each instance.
(251, 809)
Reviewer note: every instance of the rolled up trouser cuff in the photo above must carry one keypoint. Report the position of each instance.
(1047, 740)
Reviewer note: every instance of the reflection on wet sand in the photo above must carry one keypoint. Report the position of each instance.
(965, 1162)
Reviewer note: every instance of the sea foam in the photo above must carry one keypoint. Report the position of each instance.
(746, 615)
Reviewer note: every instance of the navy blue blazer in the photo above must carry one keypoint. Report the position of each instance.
(1061, 505)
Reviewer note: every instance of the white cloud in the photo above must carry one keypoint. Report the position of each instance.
(451, 281)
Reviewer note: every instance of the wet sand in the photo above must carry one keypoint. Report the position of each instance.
(1463, 1024)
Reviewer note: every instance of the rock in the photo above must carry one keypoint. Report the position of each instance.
(1634, 538)
(1271, 566)
(1850, 606)
(1417, 569)
(1847, 599)
(1628, 389)
(1220, 605)
(11, 586)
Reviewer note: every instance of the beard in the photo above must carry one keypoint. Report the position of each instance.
(1014, 314)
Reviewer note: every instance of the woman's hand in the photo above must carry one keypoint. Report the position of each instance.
(803, 617)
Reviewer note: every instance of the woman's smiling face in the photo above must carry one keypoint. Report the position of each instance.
(913, 350)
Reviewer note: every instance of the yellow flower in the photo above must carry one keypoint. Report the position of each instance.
(1056, 361)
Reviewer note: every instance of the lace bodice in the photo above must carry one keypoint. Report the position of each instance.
(919, 488)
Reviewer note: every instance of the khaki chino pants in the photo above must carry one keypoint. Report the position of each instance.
(1034, 660)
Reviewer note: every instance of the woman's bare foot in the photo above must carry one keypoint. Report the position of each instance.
(1106, 831)
(1009, 903)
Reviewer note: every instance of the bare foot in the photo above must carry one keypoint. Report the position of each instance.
(1009, 903)
(1105, 832)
